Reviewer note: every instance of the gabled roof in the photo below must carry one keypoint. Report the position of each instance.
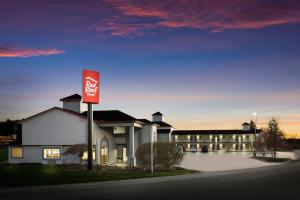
(54, 108)
(157, 113)
(74, 97)
(111, 116)
(163, 124)
(245, 124)
(212, 132)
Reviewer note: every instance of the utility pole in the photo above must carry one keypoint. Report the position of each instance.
(255, 138)
(151, 154)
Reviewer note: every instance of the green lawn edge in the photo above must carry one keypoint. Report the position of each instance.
(3, 154)
(35, 174)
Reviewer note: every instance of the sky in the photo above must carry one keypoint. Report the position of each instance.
(203, 64)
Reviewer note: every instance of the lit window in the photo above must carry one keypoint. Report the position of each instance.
(85, 154)
(51, 153)
(17, 152)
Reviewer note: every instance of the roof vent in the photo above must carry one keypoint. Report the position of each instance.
(74, 103)
(246, 126)
(158, 117)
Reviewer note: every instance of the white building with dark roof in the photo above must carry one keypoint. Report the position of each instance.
(48, 135)
(216, 140)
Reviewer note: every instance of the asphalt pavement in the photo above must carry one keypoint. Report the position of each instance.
(268, 183)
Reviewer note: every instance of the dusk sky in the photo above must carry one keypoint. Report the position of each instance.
(203, 64)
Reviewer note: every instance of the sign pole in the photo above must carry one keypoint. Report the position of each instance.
(90, 136)
(90, 93)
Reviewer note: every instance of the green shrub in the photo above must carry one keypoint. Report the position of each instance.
(165, 155)
(3, 155)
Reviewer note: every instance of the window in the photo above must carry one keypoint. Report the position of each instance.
(51, 153)
(85, 154)
(17, 152)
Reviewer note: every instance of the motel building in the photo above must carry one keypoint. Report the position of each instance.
(216, 140)
(47, 135)
(116, 135)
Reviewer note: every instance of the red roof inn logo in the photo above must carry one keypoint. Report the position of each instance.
(90, 86)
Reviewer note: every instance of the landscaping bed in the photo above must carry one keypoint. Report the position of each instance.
(3, 154)
(36, 174)
(272, 160)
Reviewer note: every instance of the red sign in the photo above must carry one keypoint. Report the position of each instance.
(90, 86)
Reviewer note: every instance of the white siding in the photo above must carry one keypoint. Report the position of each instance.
(31, 154)
(54, 128)
(99, 134)
(163, 137)
(148, 131)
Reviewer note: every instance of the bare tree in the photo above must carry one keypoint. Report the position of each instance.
(273, 136)
(77, 149)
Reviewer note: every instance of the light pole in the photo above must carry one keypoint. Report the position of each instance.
(254, 146)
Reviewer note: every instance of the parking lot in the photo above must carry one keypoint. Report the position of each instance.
(222, 161)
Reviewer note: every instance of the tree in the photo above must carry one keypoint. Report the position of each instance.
(166, 155)
(77, 149)
(273, 136)
(10, 128)
(252, 125)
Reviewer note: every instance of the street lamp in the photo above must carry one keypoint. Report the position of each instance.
(254, 146)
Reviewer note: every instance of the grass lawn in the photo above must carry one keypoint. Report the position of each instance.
(35, 174)
(270, 159)
(3, 155)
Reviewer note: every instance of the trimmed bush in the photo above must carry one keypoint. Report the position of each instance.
(166, 155)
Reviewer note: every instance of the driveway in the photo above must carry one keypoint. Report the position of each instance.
(220, 161)
(274, 182)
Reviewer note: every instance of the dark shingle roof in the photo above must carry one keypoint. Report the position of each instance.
(211, 132)
(146, 121)
(55, 108)
(157, 113)
(111, 116)
(71, 98)
(163, 130)
(245, 124)
(163, 124)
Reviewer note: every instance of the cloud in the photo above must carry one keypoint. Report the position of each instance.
(27, 52)
(216, 16)
(138, 11)
(114, 27)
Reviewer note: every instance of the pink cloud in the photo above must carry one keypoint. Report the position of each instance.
(27, 52)
(138, 11)
(215, 16)
(114, 27)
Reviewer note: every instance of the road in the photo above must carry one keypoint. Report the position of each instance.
(273, 182)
